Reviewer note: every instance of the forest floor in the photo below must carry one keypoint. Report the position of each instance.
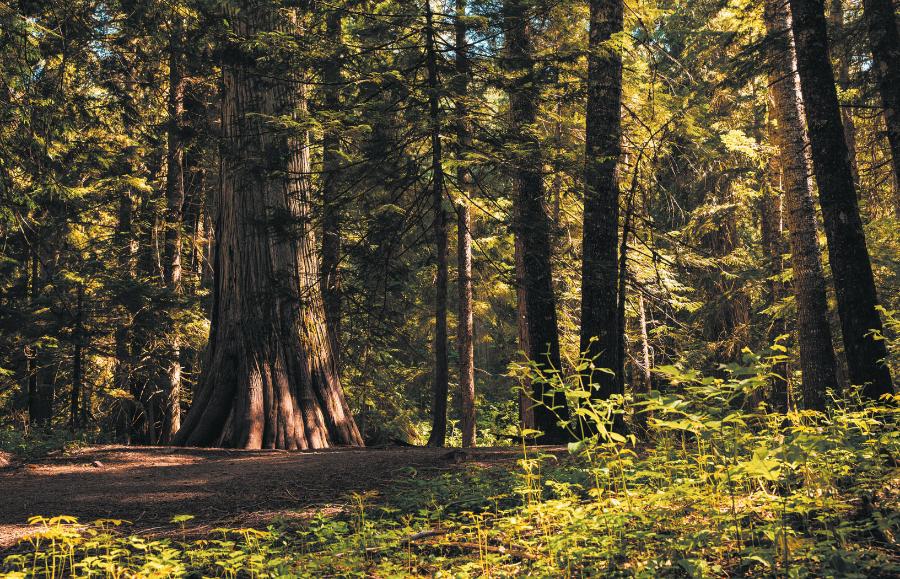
(148, 486)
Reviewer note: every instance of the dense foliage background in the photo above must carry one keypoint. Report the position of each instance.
(86, 311)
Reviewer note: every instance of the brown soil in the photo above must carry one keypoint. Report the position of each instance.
(150, 485)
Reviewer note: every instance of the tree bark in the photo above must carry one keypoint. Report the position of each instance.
(531, 226)
(849, 257)
(33, 402)
(884, 42)
(77, 386)
(599, 321)
(125, 257)
(464, 235)
(270, 380)
(644, 385)
(171, 381)
(836, 22)
(771, 225)
(331, 162)
(441, 360)
(526, 406)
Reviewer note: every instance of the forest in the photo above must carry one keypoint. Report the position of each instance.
(449, 288)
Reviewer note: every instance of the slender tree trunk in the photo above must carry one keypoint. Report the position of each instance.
(771, 224)
(464, 330)
(849, 257)
(74, 406)
(599, 320)
(526, 410)
(125, 255)
(884, 42)
(441, 361)
(146, 383)
(33, 402)
(270, 380)
(41, 382)
(532, 226)
(331, 164)
(622, 281)
(171, 387)
(464, 235)
(836, 22)
(644, 385)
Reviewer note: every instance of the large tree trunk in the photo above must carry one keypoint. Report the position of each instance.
(532, 227)
(464, 235)
(884, 42)
(270, 380)
(849, 257)
(599, 321)
(331, 163)
(441, 360)
(171, 381)
(817, 360)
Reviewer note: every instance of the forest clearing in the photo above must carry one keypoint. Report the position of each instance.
(148, 486)
(449, 288)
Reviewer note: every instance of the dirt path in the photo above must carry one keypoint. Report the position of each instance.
(150, 485)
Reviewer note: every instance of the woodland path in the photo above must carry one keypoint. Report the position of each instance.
(150, 485)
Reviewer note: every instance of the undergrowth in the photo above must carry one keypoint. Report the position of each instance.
(713, 488)
(31, 444)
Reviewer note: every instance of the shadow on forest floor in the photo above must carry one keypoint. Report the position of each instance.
(150, 485)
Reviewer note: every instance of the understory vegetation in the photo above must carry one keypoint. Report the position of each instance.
(610, 288)
(714, 487)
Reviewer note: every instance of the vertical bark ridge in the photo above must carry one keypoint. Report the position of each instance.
(271, 380)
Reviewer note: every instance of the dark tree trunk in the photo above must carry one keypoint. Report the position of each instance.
(532, 227)
(41, 382)
(441, 361)
(125, 254)
(331, 164)
(464, 235)
(849, 257)
(171, 381)
(78, 331)
(270, 380)
(526, 410)
(33, 402)
(599, 296)
(836, 22)
(621, 292)
(771, 224)
(817, 360)
(884, 42)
